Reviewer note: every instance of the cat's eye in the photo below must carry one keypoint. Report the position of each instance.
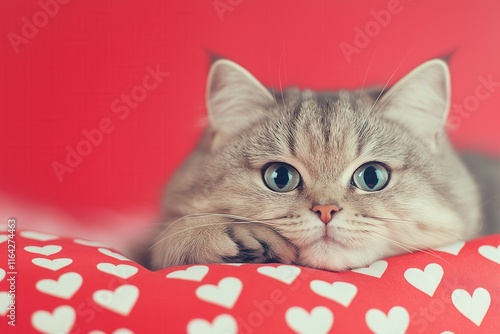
(281, 177)
(372, 176)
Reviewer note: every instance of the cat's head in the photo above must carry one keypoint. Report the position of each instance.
(348, 177)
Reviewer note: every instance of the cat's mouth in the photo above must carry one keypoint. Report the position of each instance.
(332, 237)
(326, 236)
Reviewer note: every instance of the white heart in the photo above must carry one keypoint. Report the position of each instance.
(122, 331)
(3, 238)
(453, 249)
(38, 236)
(490, 252)
(59, 321)
(222, 324)
(122, 270)
(2, 274)
(89, 243)
(473, 308)
(112, 254)
(118, 331)
(427, 280)
(45, 250)
(319, 321)
(340, 292)
(4, 303)
(65, 287)
(395, 322)
(54, 265)
(284, 273)
(224, 294)
(194, 273)
(120, 301)
(376, 269)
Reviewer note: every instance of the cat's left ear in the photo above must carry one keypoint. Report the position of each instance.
(420, 101)
(235, 98)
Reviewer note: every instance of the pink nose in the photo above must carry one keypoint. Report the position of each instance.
(325, 212)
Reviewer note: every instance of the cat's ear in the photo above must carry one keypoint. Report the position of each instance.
(420, 101)
(235, 98)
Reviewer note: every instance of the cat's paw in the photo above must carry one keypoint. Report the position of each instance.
(259, 244)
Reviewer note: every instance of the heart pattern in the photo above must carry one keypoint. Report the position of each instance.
(340, 292)
(224, 294)
(318, 321)
(194, 273)
(64, 287)
(66, 278)
(38, 236)
(472, 307)
(112, 254)
(376, 269)
(118, 331)
(122, 270)
(453, 249)
(222, 324)
(490, 252)
(426, 280)
(53, 265)
(285, 274)
(120, 301)
(396, 320)
(59, 321)
(45, 250)
(4, 303)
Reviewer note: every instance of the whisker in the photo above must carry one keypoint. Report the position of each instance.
(390, 78)
(397, 243)
(366, 74)
(411, 249)
(449, 236)
(395, 220)
(489, 199)
(272, 90)
(282, 57)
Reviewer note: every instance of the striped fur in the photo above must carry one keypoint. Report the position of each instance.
(218, 209)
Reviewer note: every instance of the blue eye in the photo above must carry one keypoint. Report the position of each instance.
(371, 176)
(281, 177)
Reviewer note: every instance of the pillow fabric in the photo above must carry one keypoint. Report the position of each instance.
(101, 101)
(63, 285)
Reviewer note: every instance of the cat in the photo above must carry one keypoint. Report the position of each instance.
(329, 180)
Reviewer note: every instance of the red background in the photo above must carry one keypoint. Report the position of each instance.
(64, 78)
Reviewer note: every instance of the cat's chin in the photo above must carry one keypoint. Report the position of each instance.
(330, 256)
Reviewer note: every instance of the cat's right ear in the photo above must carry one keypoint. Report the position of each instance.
(235, 98)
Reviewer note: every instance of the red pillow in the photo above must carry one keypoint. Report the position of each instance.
(78, 286)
